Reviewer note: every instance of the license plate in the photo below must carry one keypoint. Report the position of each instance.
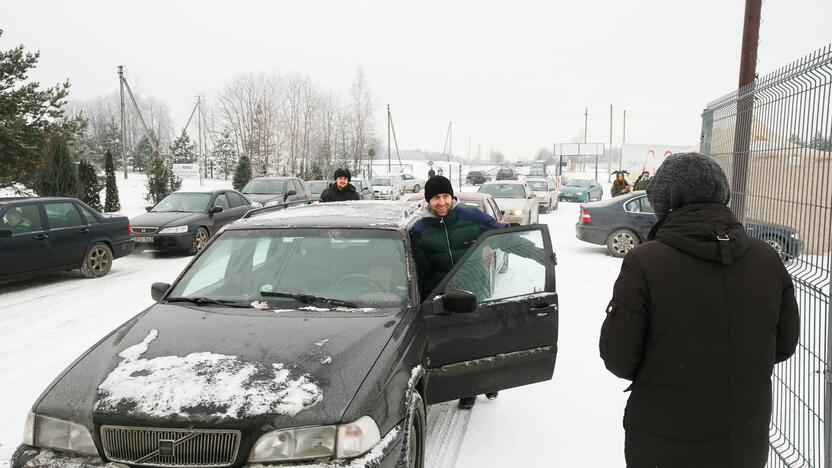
(143, 239)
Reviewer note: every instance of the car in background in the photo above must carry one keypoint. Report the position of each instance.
(389, 187)
(412, 184)
(476, 177)
(187, 220)
(276, 190)
(299, 336)
(538, 170)
(623, 222)
(363, 187)
(42, 235)
(506, 173)
(481, 201)
(317, 187)
(516, 200)
(581, 190)
(546, 191)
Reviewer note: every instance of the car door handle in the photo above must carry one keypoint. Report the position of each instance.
(42, 237)
(542, 310)
(83, 231)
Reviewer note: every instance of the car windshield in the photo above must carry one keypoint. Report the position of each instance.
(503, 190)
(265, 186)
(380, 181)
(364, 267)
(357, 183)
(579, 183)
(537, 171)
(183, 202)
(538, 186)
(317, 186)
(475, 173)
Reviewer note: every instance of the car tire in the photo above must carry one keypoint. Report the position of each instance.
(201, 237)
(97, 261)
(621, 241)
(413, 451)
(778, 245)
(416, 188)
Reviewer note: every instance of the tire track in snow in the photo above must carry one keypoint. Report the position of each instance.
(445, 432)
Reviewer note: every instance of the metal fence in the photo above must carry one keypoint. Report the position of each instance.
(773, 138)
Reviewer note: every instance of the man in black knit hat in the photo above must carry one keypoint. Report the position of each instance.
(699, 316)
(341, 189)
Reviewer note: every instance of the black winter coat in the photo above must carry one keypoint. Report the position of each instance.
(333, 194)
(697, 324)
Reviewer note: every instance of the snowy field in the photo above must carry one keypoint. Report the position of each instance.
(573, 420)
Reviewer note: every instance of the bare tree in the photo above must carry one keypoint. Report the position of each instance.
(362, 118)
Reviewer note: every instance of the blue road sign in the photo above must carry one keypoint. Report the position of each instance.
(430, 163)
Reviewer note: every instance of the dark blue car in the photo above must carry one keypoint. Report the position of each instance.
(623, 222)
(41, 235)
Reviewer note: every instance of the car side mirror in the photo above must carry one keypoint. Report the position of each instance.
(158, 290)
(216, 209)
(289, 194)
(531, 195)
(5, 232)
(456, 301)
(148, 208)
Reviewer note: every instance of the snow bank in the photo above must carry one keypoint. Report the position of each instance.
(203, 384)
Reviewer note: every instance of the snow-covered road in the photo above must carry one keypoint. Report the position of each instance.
(574, 420)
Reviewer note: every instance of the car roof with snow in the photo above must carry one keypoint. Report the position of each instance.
(350, 214)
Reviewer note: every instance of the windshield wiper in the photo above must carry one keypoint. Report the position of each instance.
(200, 300)
(309, 299)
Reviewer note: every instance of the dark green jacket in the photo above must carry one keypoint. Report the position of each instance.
(438, 243)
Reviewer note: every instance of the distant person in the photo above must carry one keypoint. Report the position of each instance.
(431, 173)
(16, 222)
(341, 189)
(440, 171)
(699, 316)
(620, 186)
(642, 181)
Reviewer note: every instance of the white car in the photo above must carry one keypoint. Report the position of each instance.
(546, 191)
(514, 197)
(412, 184)
(389, 187)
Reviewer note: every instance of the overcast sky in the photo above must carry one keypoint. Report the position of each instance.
(513, 76)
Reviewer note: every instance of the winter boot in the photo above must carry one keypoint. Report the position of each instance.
(492, 395)
(467, 402)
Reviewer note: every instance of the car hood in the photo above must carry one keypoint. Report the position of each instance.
(507, 204)
(163, 219)
(216, 367)
(571, 190)
(264, 197)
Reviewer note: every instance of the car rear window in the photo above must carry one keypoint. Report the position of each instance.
(504, 190)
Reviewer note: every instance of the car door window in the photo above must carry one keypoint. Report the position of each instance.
(62, 215)
(646, 207)
(222, 201)
(87, 214)
(21, 219)
(233, 199)
(633, 206)
(496, 209)
(504, 266)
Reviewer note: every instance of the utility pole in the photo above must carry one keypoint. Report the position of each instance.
(586, 122)
(610, 160)
(468, 156)
(199, 138)
(745, 109)
(623, 140)
(123, 129)
(388, 138)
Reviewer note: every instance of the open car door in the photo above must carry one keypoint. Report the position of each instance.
(492, 323)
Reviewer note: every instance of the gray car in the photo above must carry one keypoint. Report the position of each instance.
(363, 187)
(276, 190)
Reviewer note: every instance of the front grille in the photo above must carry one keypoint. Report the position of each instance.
(167, 447)
(144, 230)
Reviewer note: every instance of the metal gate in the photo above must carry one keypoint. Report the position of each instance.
(773, 138)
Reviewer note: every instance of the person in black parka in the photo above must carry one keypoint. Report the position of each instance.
(699, 316)
(341, 189)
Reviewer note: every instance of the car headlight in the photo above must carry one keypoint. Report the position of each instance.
(47, 432)
(517, 213)
(305, 443)
(174, 230)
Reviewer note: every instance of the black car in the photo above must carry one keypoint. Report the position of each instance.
(298, 335)
(475, 177)
(505, 173)
(41, 235)
(276, 190)
(187, 220)
(623, 222)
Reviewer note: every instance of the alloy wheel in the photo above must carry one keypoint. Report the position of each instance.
(201, 239)
(99, 259)
(623, 242)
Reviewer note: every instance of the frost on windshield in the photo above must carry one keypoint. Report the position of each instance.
(203, 384)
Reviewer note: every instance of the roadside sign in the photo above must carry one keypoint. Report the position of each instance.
(186, 170)
(430, 163)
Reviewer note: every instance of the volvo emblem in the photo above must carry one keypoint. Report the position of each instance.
(165, 448)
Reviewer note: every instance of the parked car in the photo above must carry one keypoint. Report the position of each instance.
(42, 235)
(274, 190)
(187, 220)
(317, 187)
(581, 190)
(481, 201)
(623, 222)
(546, 191)
(506, 173)
(517, 201)
(538, 170)
(298, 335)
(412, 184)
(476, 177)
(389, 187)
(364, 188)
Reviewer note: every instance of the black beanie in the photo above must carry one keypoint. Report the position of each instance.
(436, 185)
(343, 173)
(686, 178)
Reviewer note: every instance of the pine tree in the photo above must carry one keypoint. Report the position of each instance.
(174, 181)
(142, 156)
(224, 154)
(242, 174)
(182, 151)
(158, 180)
(58, 179)
(89, 185)
(111, 202)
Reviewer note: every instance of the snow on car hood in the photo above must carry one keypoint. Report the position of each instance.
(176, 364)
